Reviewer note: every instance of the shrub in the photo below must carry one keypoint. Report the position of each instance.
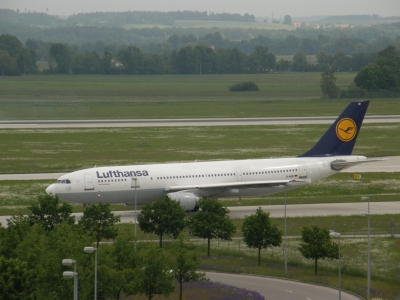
(246, 86)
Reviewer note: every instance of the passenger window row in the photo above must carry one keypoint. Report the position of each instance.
(111, 180)
(227, 174)
(196, 176)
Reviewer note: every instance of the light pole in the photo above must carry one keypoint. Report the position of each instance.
(69, 274)
(285, 240)
(135, 179)
(91, 250)
(337, 234)
(368, 251)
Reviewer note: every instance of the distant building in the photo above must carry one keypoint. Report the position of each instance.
(297, 24)
(342, 25)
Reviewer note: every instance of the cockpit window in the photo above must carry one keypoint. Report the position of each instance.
(64, 181)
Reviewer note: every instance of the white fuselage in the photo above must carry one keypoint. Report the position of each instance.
(218, 179)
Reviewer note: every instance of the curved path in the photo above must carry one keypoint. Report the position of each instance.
(274, 288)
(186, 122)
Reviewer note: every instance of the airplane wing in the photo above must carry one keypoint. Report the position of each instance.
(238, 184)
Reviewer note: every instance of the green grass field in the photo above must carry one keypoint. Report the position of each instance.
(155, 97)
(63, 150)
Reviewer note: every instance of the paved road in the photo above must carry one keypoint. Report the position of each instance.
(274, 288)
(314, 210)
(296, 210)
(303, 210)
(186, 122)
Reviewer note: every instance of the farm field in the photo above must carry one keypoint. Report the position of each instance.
(214, 24)
(60, 97)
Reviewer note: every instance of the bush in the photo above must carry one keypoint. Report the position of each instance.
(246, 86)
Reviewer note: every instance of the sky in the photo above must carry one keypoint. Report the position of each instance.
(294, 8)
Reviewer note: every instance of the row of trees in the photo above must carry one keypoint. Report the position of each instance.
(16, 59)
(379, 78)
(196, 60)
(158, 40)
(33, 246)
(165, 216)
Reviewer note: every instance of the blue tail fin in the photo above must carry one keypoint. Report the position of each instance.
(342, 135)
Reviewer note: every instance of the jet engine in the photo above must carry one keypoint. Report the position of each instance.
(187, 200)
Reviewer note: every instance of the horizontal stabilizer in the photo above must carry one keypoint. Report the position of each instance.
(339, 164)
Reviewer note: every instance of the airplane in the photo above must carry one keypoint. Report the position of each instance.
(187, 183)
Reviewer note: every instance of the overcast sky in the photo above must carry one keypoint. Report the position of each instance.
(295, 8)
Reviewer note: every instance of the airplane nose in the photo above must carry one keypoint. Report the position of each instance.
(51, 190)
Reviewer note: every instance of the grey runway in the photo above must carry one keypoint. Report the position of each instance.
(184, 122)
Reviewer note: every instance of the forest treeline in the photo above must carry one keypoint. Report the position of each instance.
(17, 58)
(87, 35)
(163, 41)
(378, 71)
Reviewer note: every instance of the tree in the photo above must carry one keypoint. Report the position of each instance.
(43, 252)
(98, 220)
(15, 58)
(287, 20)
(328, 84)
(155, 276)
(316, 244)
(370, 78)
(8, 65)
(62, 56)
(260, 233)
(49, 212)
(323, 58)
(163, 216)
(185, 263)
(300, 63)
(155, 64)
(126, 259)
(261, 60)
(106, 63)
(382, 74)
(10, 237)
(132, 59)
(211, 221)
(15, 279)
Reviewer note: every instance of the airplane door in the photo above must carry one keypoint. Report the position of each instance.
(302, 171)
(89, 185)
(135, 183)
(239, 175)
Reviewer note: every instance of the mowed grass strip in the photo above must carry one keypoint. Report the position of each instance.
(64, 150)
(172, 96)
